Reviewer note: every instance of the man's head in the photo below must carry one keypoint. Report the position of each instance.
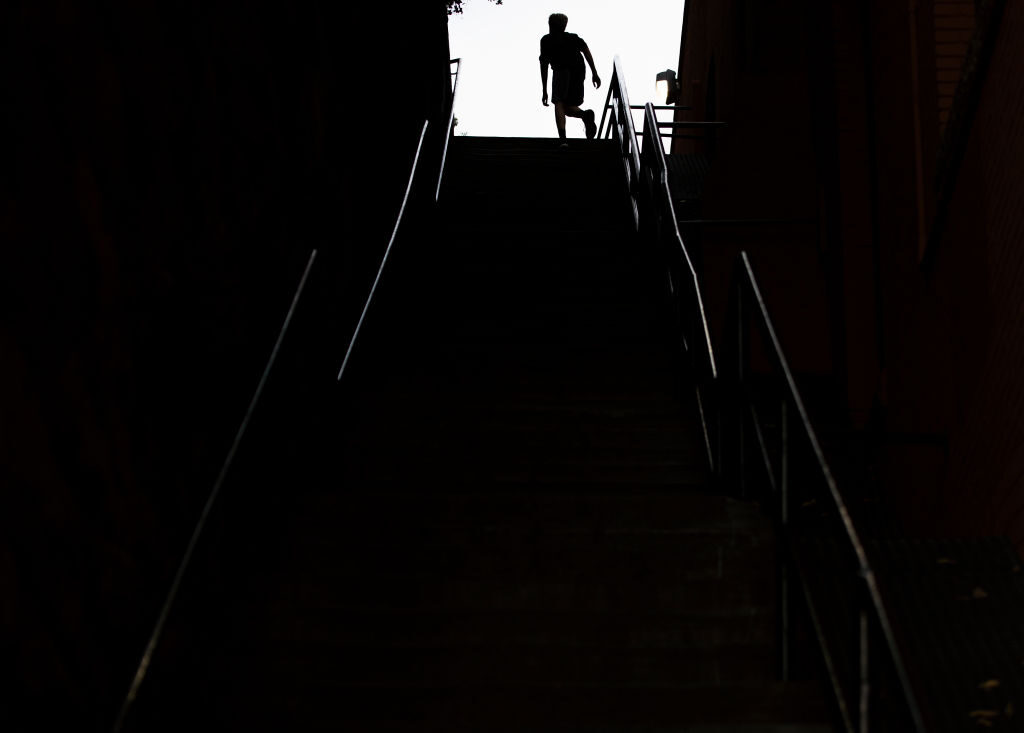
(557, 22)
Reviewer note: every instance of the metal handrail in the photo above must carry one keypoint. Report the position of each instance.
(683, 125)
(172, 593)
(744, 285)
(387, 253)
(401, 211)
(692, 123)
(655, 213)
(449, 129)
(660, 210)
(659, 218)
(620, 124)
(658, 107)
(165, 610)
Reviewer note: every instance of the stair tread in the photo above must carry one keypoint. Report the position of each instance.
(587, 508)
(532, 708)
(567, 630)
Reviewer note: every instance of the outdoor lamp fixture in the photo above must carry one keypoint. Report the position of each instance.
(667, 86)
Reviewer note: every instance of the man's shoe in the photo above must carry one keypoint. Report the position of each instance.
(564, 145)
(588, 121)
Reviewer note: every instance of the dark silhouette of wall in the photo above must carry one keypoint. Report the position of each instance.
(921, 286)
(765, 167)
(167, 169)
(974, 283)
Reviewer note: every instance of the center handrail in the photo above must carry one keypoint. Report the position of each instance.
(665, 227)
(156, 635)
(620, 125)
(654, 214)
(163, 616)
(401, 211)
(451, 122)
(778, 475)
(387, 252)
(652, 138)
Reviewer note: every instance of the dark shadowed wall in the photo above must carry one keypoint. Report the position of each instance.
(976, 311)
(167, 168)
(916, 280)
(764, 168)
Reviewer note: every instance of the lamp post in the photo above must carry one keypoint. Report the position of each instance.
(667, 86)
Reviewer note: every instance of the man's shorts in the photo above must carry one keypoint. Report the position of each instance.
(567, 86)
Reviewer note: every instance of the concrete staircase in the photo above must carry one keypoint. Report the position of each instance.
(502, 520)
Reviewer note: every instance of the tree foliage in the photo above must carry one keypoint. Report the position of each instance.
(455, 6)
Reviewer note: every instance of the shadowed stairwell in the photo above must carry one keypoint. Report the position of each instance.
(503, 518)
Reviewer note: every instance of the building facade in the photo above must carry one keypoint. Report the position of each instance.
(874, 150)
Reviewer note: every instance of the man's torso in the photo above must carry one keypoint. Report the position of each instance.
(563, 51)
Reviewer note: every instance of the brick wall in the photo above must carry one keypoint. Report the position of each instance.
(980, 270)
(954, 26)
(763, 167)
(935, 351)
(167, 169)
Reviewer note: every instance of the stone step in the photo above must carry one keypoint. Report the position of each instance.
(506, 147)
(449, 555)
(588, 593)
(492, 665)
(749, 708)
(496, 289)
(584, 409)
(421, 630)
(512, 447)
(435, 470)
(539, 506)
(612, 521)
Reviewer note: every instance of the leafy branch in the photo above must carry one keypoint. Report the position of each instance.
(455, 6)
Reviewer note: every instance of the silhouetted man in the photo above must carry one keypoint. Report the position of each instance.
(564, 52)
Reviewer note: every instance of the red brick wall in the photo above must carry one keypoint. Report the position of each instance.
(167, 168)
(764, 165)
(980, 270)
(954, 26)
(937, 349)
(913, 389)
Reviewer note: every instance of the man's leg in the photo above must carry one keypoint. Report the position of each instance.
(560, 119)
(586, 115)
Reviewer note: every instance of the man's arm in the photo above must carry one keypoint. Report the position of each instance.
(590, 60)
(544, 80)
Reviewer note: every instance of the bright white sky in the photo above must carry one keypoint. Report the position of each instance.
(499, 87)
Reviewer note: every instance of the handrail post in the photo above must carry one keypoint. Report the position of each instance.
(741, 389)
(864, 669)
(784, 613)
(784, 589)
(607, 103)
(784, 463)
